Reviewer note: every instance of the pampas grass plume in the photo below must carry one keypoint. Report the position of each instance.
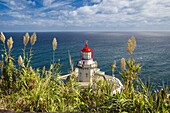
(133, 42)
(10, 43)
(129, 46)
(33, 38)
(2, 37)
(123, 64)
(54, 43)
(20, 61)
(26, 39)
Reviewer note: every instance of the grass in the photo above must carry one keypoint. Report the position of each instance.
(25, 89)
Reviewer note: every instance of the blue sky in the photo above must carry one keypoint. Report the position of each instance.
(84, 15)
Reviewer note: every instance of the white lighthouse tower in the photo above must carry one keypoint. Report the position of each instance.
(86, 65)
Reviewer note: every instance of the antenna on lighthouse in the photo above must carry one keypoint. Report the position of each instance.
(86, 41)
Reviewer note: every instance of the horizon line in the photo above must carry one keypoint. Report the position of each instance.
(92, 31)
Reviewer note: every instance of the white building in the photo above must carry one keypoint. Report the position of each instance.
(88, 72)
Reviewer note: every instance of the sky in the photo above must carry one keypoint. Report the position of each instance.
(84, 15)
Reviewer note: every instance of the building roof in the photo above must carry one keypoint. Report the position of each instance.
(86, 49)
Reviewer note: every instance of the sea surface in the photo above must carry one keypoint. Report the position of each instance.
(152, 51)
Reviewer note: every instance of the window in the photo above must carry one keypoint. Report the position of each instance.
(86, 75)
(87, 55)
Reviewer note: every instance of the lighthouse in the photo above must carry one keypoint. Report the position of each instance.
(86, 65)
(87, 71)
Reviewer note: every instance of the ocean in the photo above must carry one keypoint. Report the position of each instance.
(152, 51)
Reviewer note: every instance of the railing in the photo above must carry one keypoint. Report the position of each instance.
(86, 65)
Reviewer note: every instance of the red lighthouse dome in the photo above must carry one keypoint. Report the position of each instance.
(86, 49)
(86, 53)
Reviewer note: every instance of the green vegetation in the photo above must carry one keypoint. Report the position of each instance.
(25, 89)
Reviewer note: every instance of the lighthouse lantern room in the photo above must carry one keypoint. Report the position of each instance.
(87, 55)
(86, 65)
